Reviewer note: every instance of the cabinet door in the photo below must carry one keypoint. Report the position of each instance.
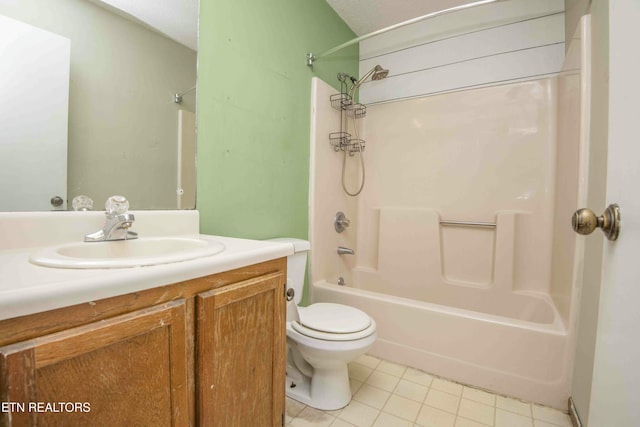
(130, 370)
(241, 353)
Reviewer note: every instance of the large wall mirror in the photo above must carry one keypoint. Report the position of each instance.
(125, 131)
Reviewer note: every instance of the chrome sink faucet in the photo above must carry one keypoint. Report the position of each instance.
(117, 224)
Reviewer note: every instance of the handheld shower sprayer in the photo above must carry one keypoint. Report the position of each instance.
(344, 101)
(376, 73)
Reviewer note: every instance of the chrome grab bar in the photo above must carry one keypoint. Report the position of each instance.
(468, 224)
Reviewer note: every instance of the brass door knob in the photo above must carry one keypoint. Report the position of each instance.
(584, 221)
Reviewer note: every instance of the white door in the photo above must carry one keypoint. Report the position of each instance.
(34, 105)
(615, 393)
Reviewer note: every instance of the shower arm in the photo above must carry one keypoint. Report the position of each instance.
(311, 58)
(356, 84)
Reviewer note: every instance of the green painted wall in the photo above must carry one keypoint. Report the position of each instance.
(254, 91)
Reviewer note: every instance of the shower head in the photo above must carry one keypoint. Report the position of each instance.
(376, 73)
(379, 73)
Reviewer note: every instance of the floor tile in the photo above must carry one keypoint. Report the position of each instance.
(417, 376)
(464, 422)
(292, 408)
(513, 405)
(447, 386)
(359, 414)
(388, 420)
(381, 380)
(354, 385)
(387, 394)
(510, 419)
(411, 390)
(441, 400)
(432, 417)
(372, 396)
(551, 415)
(359, 372)
(402, 407)
(340, 423)
(479, 396)
(476, 411)
(538, 423)
(310, 417)
(391, 368)
(368, 361)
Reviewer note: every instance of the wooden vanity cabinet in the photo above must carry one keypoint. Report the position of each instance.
(205, 352)
(241, 353)
(130, 369)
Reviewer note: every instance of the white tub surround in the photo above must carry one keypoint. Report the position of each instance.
(26, 288)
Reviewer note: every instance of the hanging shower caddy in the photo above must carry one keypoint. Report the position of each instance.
(343, 102)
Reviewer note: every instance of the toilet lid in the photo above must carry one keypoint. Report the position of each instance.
(334, 318)
(328, 336)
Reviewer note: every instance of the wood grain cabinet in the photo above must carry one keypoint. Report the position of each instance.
(205, 352)
(241, 354)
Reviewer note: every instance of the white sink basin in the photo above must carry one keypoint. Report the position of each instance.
(126, 253)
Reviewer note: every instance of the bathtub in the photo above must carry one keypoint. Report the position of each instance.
(517, 347)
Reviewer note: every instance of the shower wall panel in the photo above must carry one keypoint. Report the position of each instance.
(497, 43)
(486, 155)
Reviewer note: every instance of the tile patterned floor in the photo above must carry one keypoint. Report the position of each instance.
(386, 394)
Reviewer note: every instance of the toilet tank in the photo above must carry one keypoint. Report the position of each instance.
(296, 265)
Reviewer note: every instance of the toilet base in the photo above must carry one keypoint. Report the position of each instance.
(327, 390)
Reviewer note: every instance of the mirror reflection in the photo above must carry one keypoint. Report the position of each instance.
(92, 108)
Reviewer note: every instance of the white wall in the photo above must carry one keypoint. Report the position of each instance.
(497, 43)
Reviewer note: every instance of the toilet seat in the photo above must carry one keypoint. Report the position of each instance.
(334, 322)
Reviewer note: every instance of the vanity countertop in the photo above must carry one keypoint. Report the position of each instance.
(26, 288)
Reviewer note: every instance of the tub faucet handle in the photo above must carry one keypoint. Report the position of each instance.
(341, 222)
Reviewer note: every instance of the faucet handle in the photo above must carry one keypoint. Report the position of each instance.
(340, 222)
(116, 205)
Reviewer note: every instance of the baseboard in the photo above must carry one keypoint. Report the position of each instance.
(573, 414)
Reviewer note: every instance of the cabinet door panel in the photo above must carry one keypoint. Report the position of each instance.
(131, 370)
(241, 353)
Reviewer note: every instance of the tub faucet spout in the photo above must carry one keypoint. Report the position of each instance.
(345, 251)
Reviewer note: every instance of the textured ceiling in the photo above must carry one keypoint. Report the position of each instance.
(366, 16)
(178, 19)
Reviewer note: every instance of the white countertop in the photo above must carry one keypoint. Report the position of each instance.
(26, 288)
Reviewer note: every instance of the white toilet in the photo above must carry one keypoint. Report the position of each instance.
(322, 339)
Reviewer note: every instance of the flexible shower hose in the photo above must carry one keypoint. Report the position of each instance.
(344, 165)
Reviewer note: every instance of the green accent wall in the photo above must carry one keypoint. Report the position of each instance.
(253, 111)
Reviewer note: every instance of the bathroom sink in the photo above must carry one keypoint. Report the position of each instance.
(126, 253)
